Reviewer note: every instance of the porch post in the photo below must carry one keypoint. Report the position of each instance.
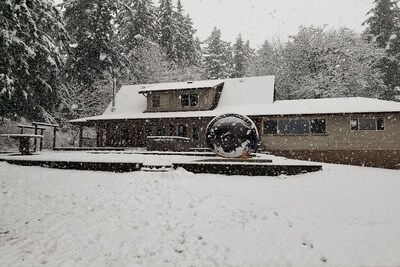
(41, 140)
(101, 140)
(98, 136)
(80, 135)
(35, 139)
(54, 137)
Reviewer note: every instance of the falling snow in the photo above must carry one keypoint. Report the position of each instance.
(343, 215)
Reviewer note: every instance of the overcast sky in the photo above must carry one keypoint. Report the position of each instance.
(258, 20)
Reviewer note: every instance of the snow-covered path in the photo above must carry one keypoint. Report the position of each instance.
(342, 215)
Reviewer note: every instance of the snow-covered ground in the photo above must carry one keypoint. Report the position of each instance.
(343, 215)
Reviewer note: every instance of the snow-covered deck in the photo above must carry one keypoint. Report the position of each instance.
(135, 160)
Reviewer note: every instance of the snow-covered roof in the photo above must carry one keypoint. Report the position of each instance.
(236, 94)
(247, 96)
(332, 105)
(179, 85)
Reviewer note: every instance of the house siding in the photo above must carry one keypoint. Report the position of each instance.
(340, 144)
(338, 134)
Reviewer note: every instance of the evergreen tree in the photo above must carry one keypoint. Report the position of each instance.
(180, 34)
(137, 21)
(96, 52)
(217, 57)
(31, 38)
(192, 45)
(381, 22)
(383, 29)
(198, 52)
(185, 44)
(248, 52)
(239, 58)
(392, 67)
(168, 30)
(264, 62)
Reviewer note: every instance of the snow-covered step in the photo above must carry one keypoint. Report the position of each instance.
(156, 168)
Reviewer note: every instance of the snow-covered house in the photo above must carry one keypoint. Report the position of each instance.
(343, 130)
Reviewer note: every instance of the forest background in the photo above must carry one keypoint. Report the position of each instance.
(59, 62)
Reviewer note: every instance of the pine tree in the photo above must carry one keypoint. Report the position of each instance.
(248, 52)
(381, 22)
(383, 29)
(167, 29)
(239, 58)
(197, 57)
(137, 22)
(192, 45)
(266, 61)
(217, 57)
(180, 34)
(185, 44)
(97, 56)
(31, 38)
(392, 67)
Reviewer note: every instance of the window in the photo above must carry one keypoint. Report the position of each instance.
(317, 126)
(367, 124)
(195, 133)
(182, 130)
(191, 100)
(353, 124)
(194, 100)
(295, 126)
(184, 100)
(271, 127)
(380, 124)
(156, 101)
